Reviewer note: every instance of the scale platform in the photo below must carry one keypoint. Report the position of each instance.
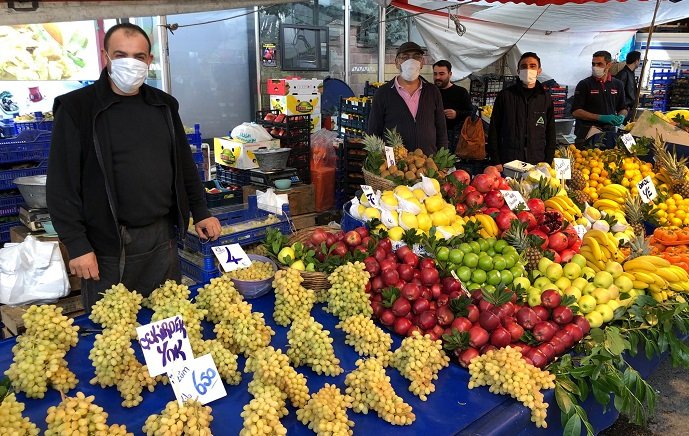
(35, 219)
(266, 178)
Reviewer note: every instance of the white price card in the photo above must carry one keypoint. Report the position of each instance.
(397, 244)
(647, 189)
(369, 194)
(563, 168)
(164, 343)
(581, 231)
(197, 379)
(231, 257)
(628, 141)
(514, 199)
(389, 156)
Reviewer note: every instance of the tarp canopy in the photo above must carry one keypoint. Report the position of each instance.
(563, 35)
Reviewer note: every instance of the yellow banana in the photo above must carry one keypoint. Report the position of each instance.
(668, 274)
(681, 273)
(639, 264)
(615, 188)
(488, 223)
(603, 204)
(629, 275)
(639, 284)
(654, 261)
(676, 287)
(595, 247)
(644, 277)
(658, 280)
(655, 289)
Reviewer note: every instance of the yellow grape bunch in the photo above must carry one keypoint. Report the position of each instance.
(347, 295)
(118, 305)
(271, 367)
(11, 420)
(419, 359)
(217, 298)
(367, 339)
(80, 415)
(192, 418)
(168, 291)
(262, 414)
(256, 271)
(309, 344)
(292, 300)
(326, 412)
(243, 331)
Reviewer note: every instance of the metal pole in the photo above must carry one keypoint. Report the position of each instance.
(165, 55)
(257, 49)
(648, 46)
(347, 24)
(381, 43)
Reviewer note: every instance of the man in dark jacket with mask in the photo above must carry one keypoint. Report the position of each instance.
(121, 175)
(628, 79)
(522, 126)
(411, 105)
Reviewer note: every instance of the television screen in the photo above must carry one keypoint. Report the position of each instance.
(304, 48)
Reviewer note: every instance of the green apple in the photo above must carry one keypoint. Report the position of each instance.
(553, 271)
(521, 281)
(614, 268)
(602, 279)
(533, 299)
(579, 260)
(572, 270)
(586, 303)
(535, 274)
(601, 295)
(605, 312)
(614, 292)
(613, 304)
(580, 283)
(594, 318)
(562, 283)
(534, 290)
(588, 273)
(573, 291)
(588, 289)
(543, 264)
(624, 283)
(542, 282)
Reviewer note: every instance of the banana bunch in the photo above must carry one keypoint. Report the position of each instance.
(598, 248)
(682, 112)
(664, 117)
(611, 197)
(565, 206)
(489, 229)
(658, 276)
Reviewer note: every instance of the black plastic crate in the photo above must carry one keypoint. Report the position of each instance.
(233, 176)
(289, 121)
(355, 107)
(230, 194)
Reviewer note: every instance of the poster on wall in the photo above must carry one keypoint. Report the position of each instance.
(50, 51)
(268, 55)
(26, 97)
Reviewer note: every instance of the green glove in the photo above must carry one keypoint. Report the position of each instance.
(607, 119)
(617, 120)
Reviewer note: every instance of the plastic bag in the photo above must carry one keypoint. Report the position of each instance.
(250, 133)
(472, 140)
(32, 272)
(323, 154)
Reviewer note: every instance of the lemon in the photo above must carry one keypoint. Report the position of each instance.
(389, 202)
(284, 254)
(408, 221)
(446, 231)
(364, 200)
(371, 213)
(424, 221)
(396, 233)
(459, 228)
(449, 210)
(440, 219)
(298, 265)
(362, 210)
(457, 220)
(419, 194)
(434, 203)
(430, 186)
(404, 192)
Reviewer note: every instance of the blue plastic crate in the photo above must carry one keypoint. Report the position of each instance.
(195, 138)
(9, 205)
(196, 272)
(232, 175)
(20, 126)
(7, 176)
(206, 263)
(236, 215)
(198, 156)
(5, 230)
(28, 145)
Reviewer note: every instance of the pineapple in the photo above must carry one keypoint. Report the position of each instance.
(394, 140)
(578, 181)
(526, 244)
(675, 169)
(640, 247)
(375, 159)
(579, 197)
(633, 211)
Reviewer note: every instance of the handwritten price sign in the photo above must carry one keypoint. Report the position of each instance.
(389, 156)
(581, 231)
(231, 257)
(370, 195)
(647, 190)
(628, 141)
(164, 343)
(563, 168)
(197, 379)
(514, 199)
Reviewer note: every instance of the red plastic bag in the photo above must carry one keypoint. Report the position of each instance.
(323, 152)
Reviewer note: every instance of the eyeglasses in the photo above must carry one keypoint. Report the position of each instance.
(407, 56)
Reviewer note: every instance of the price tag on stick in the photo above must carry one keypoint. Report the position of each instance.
(628, 141)
(389, 156)
(369, 194)
(231, 257)
(563, 168)
(647, 189)
(581, 231)
(197, 379)
(514, 199)
(164, 343)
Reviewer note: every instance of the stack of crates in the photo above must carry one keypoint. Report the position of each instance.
(370, 89)
(194, 140)
(484, 90)
(294, 132)
(352, 121)
(660, 83)
(196, 256)
(559, 96)
(678, 92)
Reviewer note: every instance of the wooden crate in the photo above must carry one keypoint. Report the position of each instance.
(304, 221)
(12, 315)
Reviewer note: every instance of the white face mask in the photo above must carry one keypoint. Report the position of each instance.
(128, 74)
(528, 77)
(411, 68)
(597, 72)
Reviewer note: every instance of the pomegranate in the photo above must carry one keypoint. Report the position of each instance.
(542, 235)
(557, 241)
(527, 217)
(536, 206)
(474, 199)
(504, 219)
(461, 176)
(494, 198)
(566, 255)
(483, 183)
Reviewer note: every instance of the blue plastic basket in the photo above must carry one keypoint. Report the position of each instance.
(348, 221)
(9, 205)
(20, 126)
(7, 177)
(232, 175)
(195, 138)
(194, 271)
(28, 145)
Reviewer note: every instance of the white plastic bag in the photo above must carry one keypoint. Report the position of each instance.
(250, 133)
(32, 272)
(270, 201)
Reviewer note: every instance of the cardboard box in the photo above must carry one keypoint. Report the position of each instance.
(235, 154)
(652, 126)
(12, 315)
(301, 198)
(294, 86)
(299, 104)
(304, 221)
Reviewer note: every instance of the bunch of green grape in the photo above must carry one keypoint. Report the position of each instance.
(217, 297)
(310, 344)
(117, 306)
(191, 314)
(168, 291)
(11, 420)
(243, 331)
(292, 300)
(419, 360)
(256, 271)
(192, 418)
(326, 412)
(271, 367)
(262, 414)
(79, 415)
(225, 360)
(347, 295)
(366, 338)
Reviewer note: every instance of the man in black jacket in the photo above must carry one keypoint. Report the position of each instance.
(121, 175)
(411, 105)
(522, 126)
(627, 77)
(456, 101)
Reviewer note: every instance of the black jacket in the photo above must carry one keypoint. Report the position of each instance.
(80, 188)
(522, 129)
(428, 132)
(626, 76)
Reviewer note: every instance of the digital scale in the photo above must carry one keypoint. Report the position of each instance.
(35, 219)
(267, 178)
(516, 169)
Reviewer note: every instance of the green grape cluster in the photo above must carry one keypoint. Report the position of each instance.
(117, 306)
(225, 360)
(191, 314)
(256, 271)
(80, 415)
(370, 389)
(366, 338)
(347, 295)
(311, 345)
(326, 412)
(134, 379)
(271, 367)
(217, 297)
(190, 419)
(11, 420)
(505, 372)
(39, 353)
(262, 414)
(292, 300)
(243, 331)
(168, 291)
(419, 359)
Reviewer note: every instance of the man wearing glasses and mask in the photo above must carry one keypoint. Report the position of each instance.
(411, 105)
(121, 175)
